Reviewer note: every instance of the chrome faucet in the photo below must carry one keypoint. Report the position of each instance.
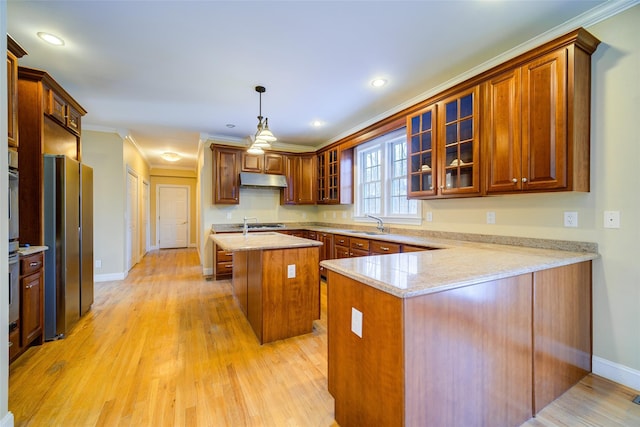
(245, 227)
(380, 226)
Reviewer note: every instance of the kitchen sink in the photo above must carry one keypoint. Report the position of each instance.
(369, 233)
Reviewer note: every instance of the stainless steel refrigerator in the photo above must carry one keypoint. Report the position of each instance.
(68, 232)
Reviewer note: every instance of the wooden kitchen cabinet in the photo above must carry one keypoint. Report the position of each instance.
(252, 162)
(334, 176)
(269, 162)
(300, 173)
(444, 147)
(378, 247)
(226, 175)
(14, 52)
(222, 263)
(274, 163)
(31, 299)
(537, 121)
(41, 132)
(327, 249)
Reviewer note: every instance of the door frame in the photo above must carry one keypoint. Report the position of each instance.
(135, 211)
(146, 217)
(188, 188)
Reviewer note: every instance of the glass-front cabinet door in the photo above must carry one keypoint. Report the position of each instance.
(459, 167)
(422, 153)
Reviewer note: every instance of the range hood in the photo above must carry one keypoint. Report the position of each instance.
(249, 179)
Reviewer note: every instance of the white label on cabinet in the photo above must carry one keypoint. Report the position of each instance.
(291, 271)
(356, 322)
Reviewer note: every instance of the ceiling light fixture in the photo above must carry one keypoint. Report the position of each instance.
(170, 156)
(378, 82)
(263, 137)
(51, 39)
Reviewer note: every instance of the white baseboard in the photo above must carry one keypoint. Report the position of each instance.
(7, 420)
(109, 277)
(208, 271)
(616, 372)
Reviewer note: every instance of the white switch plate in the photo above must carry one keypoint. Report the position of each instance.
(228, 215)
(304, 215)
(98, 263)
(344, 215)
(429, 216)
(571, 219)
(611, 219)
(356, 322)
(291, 271)
(491, 217)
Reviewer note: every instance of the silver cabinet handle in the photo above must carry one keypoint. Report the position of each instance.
(359, 244)
(384, 248)
(524, 179)
(34, 264)
(514, 180)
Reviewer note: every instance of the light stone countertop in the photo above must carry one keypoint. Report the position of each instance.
(26, 251)
(260, 240)
(411, 274)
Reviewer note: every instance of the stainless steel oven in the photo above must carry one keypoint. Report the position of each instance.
(14, 267)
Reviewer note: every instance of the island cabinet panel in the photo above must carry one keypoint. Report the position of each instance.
(464, 357)
(365, 374)
(562, 330)
(468, 355)
(280, 290)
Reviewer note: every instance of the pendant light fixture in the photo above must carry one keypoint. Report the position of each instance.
(264, 137)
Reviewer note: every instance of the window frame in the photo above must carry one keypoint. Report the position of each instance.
(384, 143)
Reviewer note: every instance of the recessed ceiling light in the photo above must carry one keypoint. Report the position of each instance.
(51, 39)
(230, 125)
(171, 157)
(316, 123)
(378, 82)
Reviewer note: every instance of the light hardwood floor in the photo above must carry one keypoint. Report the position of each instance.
(165, 347)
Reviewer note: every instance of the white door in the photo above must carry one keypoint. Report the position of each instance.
(145, 216)
(132, 220)
(173, 216)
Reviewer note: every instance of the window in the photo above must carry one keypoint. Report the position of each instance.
(381, 171)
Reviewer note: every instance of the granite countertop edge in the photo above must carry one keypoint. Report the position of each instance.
(26, 251)
(260, 241)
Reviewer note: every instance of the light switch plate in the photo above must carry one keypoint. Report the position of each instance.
(491, 217)
(228, 215)
(429, 216)
(356, 322)
(611, 219)
(291, 271)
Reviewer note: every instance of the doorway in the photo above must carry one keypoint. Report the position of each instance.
(132, 220)
(173, 216)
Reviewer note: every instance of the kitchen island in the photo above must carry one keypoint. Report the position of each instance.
(276, 281)
(473, 335)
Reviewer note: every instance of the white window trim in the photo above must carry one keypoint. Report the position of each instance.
(359, 216)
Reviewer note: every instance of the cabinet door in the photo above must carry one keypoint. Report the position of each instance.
(459, 144)
(333, 176)
(274, 163)
(12, 98)
(421, 137)
(502, 150)
(252, 162)
(226, 166)
(288, 196)
(321, 179)
(31, 307)
(305, 181)
(544, 133)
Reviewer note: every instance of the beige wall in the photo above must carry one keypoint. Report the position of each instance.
(173, 177)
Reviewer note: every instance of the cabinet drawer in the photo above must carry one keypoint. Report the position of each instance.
(56, 106)
(359, 244)
(73, 119)
(378, 247)
(224, 268)
(312, 235)
(224, 256)
(358, 252)
(30, 264)
(341, 240)
(342, 252)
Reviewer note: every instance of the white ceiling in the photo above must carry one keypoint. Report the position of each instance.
(168, 72)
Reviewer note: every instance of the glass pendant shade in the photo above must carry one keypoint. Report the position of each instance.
(255, 150)
(261, 143)
(264, 132)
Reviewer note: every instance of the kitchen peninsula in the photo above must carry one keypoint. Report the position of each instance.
(478, 334)
(275, 281)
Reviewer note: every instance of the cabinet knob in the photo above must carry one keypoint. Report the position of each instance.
(524, 179)
(359, 244)
(514, 180)
(441, 187)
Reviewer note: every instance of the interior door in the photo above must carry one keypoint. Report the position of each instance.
(132, 219)
(173, 216)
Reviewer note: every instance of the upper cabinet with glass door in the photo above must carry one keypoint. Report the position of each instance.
(444, 148)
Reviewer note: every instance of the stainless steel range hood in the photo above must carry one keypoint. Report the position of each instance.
(249, 179)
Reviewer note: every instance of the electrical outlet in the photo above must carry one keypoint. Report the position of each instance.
(356, 322)
(291, 271)
(344, 215)
(98, 263)
(429, 216)
(571, 219)
(304, 215)
(228, 215)
(611, 219)
(491, 217)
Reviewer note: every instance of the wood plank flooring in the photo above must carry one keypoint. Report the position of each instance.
(165, 347)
